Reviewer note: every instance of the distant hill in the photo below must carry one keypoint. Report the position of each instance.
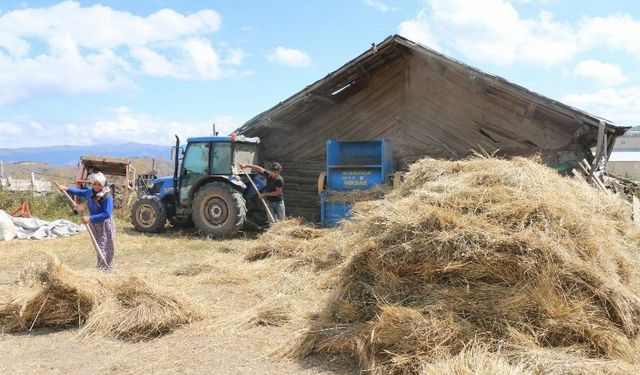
(70, 155)
(67, 173)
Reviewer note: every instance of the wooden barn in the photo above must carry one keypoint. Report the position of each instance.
(427, 104)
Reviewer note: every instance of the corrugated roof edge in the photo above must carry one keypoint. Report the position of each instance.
(492, 79)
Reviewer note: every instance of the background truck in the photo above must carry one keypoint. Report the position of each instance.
(204, 189)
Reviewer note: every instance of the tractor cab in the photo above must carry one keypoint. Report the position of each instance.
(213, 158)
(205, 189)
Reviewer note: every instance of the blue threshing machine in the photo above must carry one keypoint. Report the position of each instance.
(352, 165)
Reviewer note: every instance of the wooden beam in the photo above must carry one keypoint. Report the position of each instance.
(636, 211)
(531, 108)
(280, 125)
(319, 98)
(599, 145)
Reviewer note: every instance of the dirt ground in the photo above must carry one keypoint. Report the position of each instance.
(214, 274)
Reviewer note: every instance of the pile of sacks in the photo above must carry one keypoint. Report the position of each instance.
(34, 228)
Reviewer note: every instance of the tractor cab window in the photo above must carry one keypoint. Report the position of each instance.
(221, 158)
(195, 165)
(245, 153)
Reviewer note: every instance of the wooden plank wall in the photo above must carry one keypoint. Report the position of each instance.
(426, 109)
(301, 148)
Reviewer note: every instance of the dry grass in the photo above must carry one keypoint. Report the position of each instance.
(129, 308)
(192, 269)
(274, 311)
(502, 252)
(473, 267)
(473, 360)
(137, 310)
(59, 298)
(270, 301)
(353, 196)
(303, 242)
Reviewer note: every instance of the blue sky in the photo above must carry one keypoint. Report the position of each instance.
(87, 72)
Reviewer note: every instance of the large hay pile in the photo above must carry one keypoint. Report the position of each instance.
(506, 254)
(126, 307)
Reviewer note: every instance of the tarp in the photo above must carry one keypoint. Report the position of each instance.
(36, 229)
(8, 230)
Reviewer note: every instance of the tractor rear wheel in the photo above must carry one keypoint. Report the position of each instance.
(149, 215)
(218, 209)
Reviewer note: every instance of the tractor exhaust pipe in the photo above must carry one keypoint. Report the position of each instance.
(176, 186)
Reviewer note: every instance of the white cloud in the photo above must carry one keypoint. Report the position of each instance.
(62, 72)
(290, 57)
(119, 125)
(202, 59)
(98, 26)
(196, 59)
(618, 32)
(493, 31)
(534, 2)
(622, 106)
(379, 5)
(13, 44)
(418, 30)
(235, 56)
(68, 49)
(153, 63)
(605, 74)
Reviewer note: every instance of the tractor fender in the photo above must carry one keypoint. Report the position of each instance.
(260, 182)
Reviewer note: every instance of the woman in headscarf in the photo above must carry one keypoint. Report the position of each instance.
(99, 201)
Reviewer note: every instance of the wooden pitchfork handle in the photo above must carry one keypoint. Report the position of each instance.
(271, 219)
(93, 237)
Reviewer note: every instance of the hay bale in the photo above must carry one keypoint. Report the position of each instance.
(126, 307)
(483, 249)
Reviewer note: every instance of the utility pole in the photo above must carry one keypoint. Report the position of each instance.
(1, 170)
(213, 130)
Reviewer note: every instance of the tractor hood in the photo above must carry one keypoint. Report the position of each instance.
(163, 186)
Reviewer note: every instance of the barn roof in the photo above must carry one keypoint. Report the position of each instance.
(335, 84)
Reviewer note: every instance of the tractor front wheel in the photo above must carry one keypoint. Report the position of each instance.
(149, 215)
(218, 210)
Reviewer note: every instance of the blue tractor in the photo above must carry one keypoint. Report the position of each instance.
(204, 189)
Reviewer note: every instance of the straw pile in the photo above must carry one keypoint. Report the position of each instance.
(129, 308)
(507, 254)
(294, 239)
(57, 297)
(353, 196)
(137, 310)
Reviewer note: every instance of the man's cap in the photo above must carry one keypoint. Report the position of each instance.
(276, 167)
